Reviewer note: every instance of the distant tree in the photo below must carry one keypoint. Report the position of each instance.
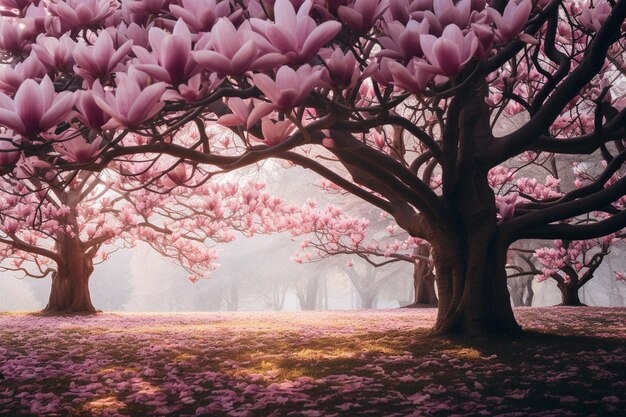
(63, 227)
(375, 239)
(406, 98)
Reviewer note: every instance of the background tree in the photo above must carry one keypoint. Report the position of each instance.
(52, 226)
(432, 79)
(372, 238)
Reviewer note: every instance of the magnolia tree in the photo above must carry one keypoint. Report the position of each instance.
(403, 97)
(59, 227)
(378, 242)
(571, 263)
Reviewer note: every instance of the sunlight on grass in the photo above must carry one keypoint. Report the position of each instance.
(333, 353)
(464, 353)
(103, 404)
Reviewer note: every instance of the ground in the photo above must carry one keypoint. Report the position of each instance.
(571, 362)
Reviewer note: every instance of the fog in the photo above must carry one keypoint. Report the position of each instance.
(258, 273)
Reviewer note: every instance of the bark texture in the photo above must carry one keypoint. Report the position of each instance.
(69, 291)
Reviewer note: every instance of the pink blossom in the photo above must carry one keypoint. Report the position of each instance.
(56, 53)
(449, 53)
(288, 91)
(402, 41)
(593, 19)
(342, 70)
(276, 132)
(512, 21)
(240, 113)
(234, 51)
(506, 205)
(12, 78)
(36, 107)
(100, 60)
(413, 77)
(201, 15)
(15, 35)
(88, 111)
(295, 35)
(81, 13)
(9, 154)
(363, 14)
(132, 102)
(449, 13)
(171, 60)
(78, 149)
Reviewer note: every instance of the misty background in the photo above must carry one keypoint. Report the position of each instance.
(258, 273)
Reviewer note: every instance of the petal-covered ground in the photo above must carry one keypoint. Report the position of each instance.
(572, 362)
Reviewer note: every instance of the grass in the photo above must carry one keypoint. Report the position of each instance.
(569, 362)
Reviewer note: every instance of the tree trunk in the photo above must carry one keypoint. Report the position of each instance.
(69, 291)
(367, 299)
(530, 294)
(308, 296)
(232, 301)
(470, 259)
(424, 285)
(521, 291)
(569, 294)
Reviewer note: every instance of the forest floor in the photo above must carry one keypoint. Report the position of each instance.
(570, 362)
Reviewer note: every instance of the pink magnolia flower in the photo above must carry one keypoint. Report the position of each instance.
(342, 70)
(82, 13)
(20, 5)
(56, 53)
(296, 35)
(9, 154)
(88, 111)
(593, 19)
(36, 107)
(276, 132)
(201, 15)
(506, 205)
(288, 91)
(10, 226)
(240, 113)
(132, 102)
(30, 166)
(171, 59)
(449, 53)
(402, 41)
(78, 149)
(15, 35)
(177, 176)
(512, 21)
(131, 32)
(35, 16)
(196, 88)
(413, 77)
(12, 78)
(233, 51)
(449, 13)
(403, 10)
(363, 14)
(100, 60)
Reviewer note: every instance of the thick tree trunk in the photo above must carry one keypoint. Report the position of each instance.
(424, 286)
(69, 291)
(470, 260)
(569, 294)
